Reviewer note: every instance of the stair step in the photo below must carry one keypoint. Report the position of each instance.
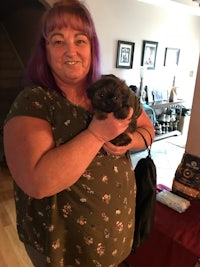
(6, 83)
(10, 73)
(9, 61)
(7, 55)
(9, 92)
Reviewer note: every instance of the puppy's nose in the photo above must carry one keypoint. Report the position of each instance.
(114, 98)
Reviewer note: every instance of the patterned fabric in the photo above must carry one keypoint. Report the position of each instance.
(92, 222)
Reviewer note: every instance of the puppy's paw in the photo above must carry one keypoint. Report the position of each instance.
(121, 113)
(132, 126)
(121, 140)
(100, 115)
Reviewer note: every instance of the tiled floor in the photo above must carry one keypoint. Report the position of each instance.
(167, 154)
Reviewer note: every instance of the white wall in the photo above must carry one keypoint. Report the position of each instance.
(193, 144)
(134, 21)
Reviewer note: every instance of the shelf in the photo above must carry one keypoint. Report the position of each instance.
(159, 105)
(166, 135)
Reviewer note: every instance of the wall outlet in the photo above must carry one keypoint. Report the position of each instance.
(191, 73)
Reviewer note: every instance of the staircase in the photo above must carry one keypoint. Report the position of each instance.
(11, 69)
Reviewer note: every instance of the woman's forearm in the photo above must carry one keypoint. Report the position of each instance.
(39, 167)
(63, 166)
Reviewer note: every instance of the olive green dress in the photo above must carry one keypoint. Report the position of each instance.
(92, 222)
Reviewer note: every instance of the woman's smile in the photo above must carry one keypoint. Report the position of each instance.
(68, 54)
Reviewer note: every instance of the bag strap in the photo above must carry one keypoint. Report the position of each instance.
(147, 147)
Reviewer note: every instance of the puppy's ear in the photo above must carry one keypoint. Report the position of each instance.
(124, 86)
(90, 92)
(92, 89)
(108, 76)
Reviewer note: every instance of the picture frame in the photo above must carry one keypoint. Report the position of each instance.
(171, 58)
(125, 52)
(149, 52)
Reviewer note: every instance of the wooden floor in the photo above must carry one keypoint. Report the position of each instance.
(12, 253)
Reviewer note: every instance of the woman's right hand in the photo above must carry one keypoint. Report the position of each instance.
(109, 128)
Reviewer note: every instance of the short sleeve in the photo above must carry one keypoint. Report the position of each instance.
(34, 102)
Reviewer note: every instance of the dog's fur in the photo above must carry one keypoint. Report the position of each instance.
(111, 94)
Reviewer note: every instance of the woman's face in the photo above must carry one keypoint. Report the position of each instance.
(68, 55)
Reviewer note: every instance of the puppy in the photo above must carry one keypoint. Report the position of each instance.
(111, 94)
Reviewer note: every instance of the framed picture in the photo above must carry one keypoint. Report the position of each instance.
(149, 51)
(125, 51)
(171, 57)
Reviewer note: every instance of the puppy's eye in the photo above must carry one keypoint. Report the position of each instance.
(101, 95)
(115, 97)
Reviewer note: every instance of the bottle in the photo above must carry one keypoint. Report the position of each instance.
(146, 94)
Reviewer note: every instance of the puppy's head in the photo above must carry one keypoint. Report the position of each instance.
(108, 94)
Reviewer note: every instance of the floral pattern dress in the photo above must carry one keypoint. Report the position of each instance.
(90, 224)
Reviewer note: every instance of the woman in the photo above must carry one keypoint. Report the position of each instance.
(74, 190)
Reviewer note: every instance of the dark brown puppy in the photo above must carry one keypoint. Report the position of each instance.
(111, 94)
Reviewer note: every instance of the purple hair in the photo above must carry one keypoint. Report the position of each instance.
(62, 14)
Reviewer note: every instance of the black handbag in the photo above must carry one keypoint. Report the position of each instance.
(145, 175)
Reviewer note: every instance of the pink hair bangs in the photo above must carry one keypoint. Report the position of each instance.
(64, 17)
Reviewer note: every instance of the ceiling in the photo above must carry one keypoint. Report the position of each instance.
(188, 2)
(188, 6)
(9, 6)
(185, 2)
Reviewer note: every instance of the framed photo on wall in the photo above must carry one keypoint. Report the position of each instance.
(149, 52)
(125, 51)
(171, 57)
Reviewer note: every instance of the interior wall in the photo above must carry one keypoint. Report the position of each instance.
(193, 144)
(128, 20)
(135, 21)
